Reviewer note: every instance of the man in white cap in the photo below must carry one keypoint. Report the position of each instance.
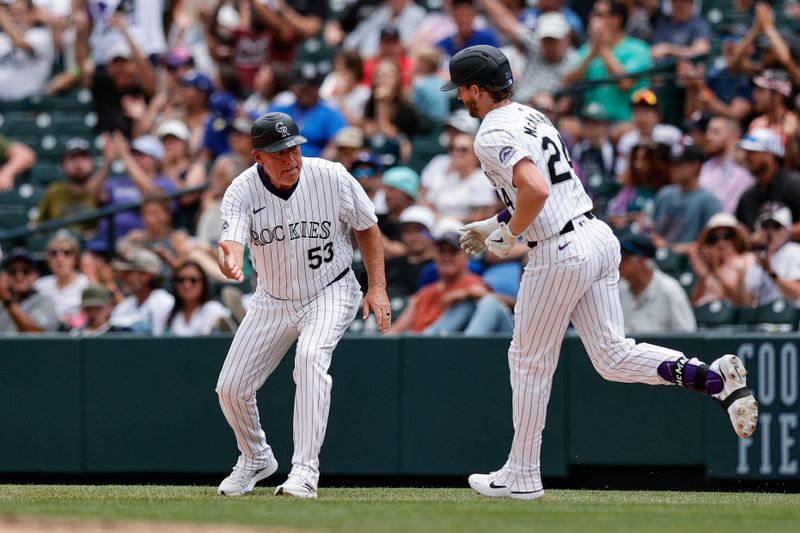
(547, 50)
(403, 273)
(146, 307)
(777, 273)
(764, 157)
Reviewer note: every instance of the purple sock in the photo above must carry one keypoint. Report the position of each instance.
(693, 376)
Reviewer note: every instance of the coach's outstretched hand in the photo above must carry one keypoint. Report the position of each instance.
(229, 264)
(377, 300)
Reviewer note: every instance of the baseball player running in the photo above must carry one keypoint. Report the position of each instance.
(296, 213)
(571, 275)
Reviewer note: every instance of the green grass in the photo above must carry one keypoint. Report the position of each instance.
(408, 509)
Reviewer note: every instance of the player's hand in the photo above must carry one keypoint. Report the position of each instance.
(501, 240)
(475, 233)
(228, 266)
(377, 300)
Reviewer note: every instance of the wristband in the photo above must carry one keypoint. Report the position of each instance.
(504, 216)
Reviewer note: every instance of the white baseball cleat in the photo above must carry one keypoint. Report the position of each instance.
(296, 488)
(242, 481)
(486, 485)
(735, 398)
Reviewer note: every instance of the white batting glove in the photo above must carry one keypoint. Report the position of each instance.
(501, 240)
(475, 233)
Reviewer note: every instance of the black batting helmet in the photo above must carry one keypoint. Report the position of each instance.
(273, 132)
(483, 65)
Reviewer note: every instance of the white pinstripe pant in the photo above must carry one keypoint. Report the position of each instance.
(268, 330)
(572, 277)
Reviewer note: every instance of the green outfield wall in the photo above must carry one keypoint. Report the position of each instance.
(401, 406)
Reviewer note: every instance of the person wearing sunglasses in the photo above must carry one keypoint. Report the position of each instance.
(65, 283)
(195, 312)
(721, 262)
(777, 272)
(22, 308)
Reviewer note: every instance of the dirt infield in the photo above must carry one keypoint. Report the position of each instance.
(50, 525)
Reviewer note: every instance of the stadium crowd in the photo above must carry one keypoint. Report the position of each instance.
(680, 117)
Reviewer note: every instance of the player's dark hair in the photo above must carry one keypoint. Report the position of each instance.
(205, 293)
(498, 95)
(618, 9)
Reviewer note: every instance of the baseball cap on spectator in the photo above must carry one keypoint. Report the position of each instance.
(645, 98)
(552, 25)
(349, 137)
(447, 230)
(140, 260)
(727, 221)
(390, 33)
(762, 140)
(176, 128)
(366, 166)
(307, 74)
(403, 179)
(223, 104)
(199, 81)
(178, 57)
(595, 111)
(418, 214)
(241, 125)
(685, 151)
(75, 146)
(777, 213)
(638, 245)
(148, 145)
(119, 50)
(698, 121)
(774, 80)
(461, 120)
(18, 254)
(96, 295)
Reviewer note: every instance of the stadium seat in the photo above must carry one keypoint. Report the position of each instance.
(669, 261)
(72, 124)
(780, 312)
(43, 174)
(18, 205)
(76, 101)
(715, 314)
(688, 280)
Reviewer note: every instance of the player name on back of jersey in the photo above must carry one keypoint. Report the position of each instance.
(533, 120)
(305, 229)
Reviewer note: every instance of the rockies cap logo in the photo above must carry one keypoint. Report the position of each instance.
(280, 128)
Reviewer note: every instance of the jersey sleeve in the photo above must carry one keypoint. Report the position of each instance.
(235, 211)
(499, 148)
(357, 210)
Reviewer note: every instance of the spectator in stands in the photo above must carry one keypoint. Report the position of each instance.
(721, 262)
(594, 156)
(143, 177)
(136, 20)
(127, 75)
(634, 203)
(195, 99)
(646, 127)
(652, 301)
(73, 195)
(466, 35)
(391, 49)
(404, 15)
(226, 167)
(462, 191)
(65, 283)
(770, 95)
(342, 89)
(183, 172)
(459, 122)
(22, 308)
(367, 169)
(721, 174)
(776, 271)
(146, 307)
(426, 94)
(195, 312)
(401, 187)
(25, 47)
(683, 34)
(97, 304)
(683, 208)
(388, 113)
(403, 273)
(15, 159)
(430, 302)
(317, 121)
(763, 157)
(640, 15)
(347, 146)
(271, 88)
(298, 20)
(545, 7)
(548, 55)
(610, 52)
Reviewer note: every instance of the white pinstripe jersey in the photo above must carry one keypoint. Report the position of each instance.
(512, 132)
(300, 244)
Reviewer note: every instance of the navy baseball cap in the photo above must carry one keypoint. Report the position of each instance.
(366, 159)
(18, 254)
(199, 81)
(76, 145)
(273, 132)
(637, 245)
